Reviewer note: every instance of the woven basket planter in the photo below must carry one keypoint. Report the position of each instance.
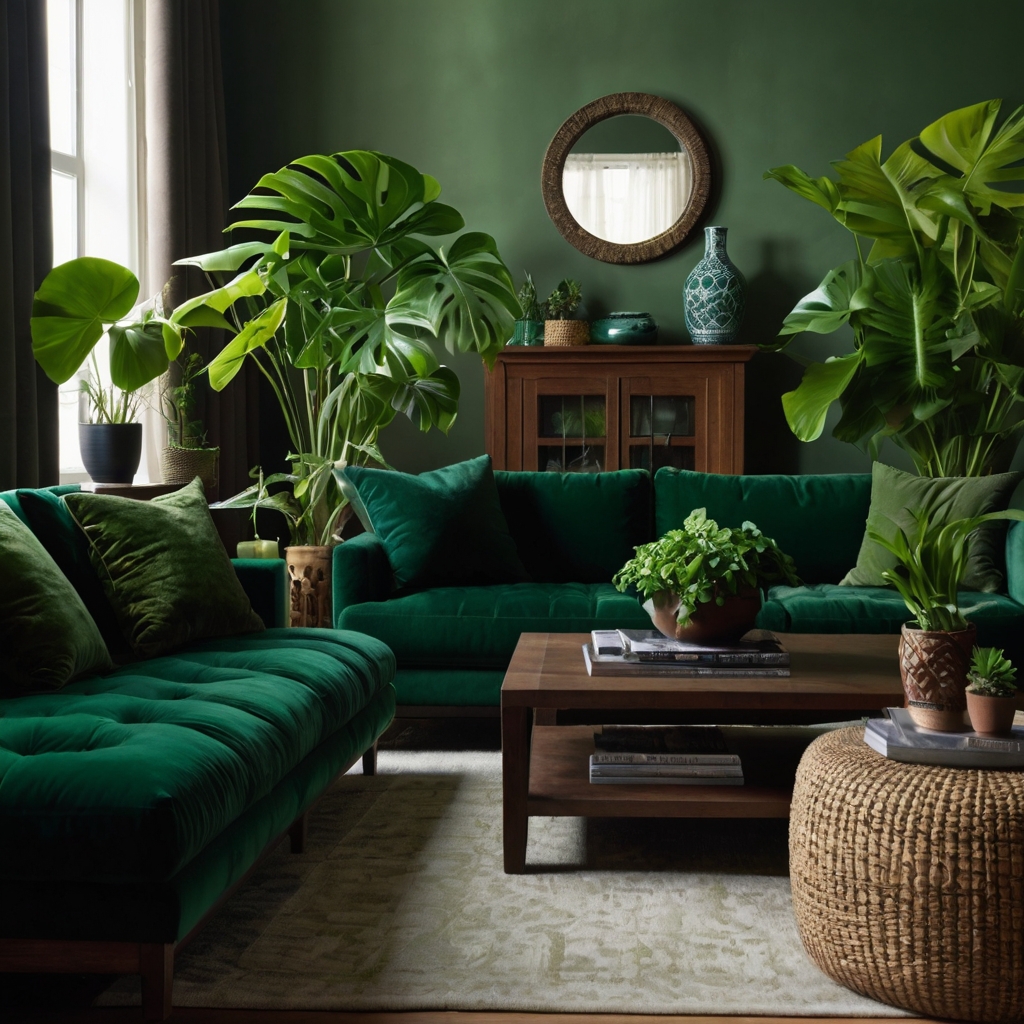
(908, 881)
(566, 333)
(183, 465)
(933, 666)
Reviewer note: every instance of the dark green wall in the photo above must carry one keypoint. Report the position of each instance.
(472, 91)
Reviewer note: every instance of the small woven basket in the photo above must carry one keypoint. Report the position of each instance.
(566, 333)
(908, 880)
(183, 465)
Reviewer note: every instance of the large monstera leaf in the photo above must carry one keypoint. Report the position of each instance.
(349, 202)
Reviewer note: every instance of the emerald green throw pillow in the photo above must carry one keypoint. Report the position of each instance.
(47, 638)
(163, 568)
(894, 493)
(440, 528)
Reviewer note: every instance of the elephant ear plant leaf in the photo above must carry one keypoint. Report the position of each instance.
(340, 303)
(936, 306)
(704, 562)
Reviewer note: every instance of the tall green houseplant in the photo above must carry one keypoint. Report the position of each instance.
(338, 301)
(935, 296)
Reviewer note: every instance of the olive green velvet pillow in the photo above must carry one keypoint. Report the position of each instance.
(47, 638)
(440, 528)
(894, 493)
(163, 568)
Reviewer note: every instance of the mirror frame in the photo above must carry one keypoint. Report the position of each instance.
(645, 105)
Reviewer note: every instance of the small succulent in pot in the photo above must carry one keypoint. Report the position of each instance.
(703, 583)
(991, 694)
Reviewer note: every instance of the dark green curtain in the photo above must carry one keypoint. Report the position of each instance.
(29, 440)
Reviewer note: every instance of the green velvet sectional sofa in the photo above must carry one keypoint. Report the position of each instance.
(573, 532)
(132, 803)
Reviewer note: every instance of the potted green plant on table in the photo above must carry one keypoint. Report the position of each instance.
(559, 329)
(936, 304)
(75, 305)
(529, 328)
(338, 303)
(992, 693)
(187, 455)
(703, 583)
(935, 646)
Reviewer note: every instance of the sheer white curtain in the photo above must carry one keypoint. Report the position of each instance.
(626, 197)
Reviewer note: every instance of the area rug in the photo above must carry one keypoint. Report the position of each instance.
(401, 903)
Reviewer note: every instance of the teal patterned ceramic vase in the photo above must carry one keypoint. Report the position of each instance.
(714, 294)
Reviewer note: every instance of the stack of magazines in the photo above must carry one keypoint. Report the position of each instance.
(899, 738)
(689, 755)
(647, 652)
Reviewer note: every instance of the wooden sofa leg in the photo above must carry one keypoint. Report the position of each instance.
(370, 760)
(298, 832)
(156, 963)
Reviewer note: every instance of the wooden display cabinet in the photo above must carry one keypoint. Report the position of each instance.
(602, 407)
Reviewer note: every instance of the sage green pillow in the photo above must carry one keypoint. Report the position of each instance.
(163, 568)
(47, 638)
(894, 493)
(440, 528)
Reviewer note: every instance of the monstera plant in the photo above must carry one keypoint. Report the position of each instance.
(339, 301)
(935, 296)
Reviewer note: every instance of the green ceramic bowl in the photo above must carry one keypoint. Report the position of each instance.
(624, 329)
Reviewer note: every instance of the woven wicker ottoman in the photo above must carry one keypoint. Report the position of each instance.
(908, 881)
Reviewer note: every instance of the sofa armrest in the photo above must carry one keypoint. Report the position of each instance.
(1015, 561)
(265, 581)
(361, 572)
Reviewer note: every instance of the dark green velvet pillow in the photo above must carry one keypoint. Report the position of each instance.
(440, 528)
(50, 520)
(163, 569)
(894, 493)
(47, 638)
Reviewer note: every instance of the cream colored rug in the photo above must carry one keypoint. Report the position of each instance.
(401, 903)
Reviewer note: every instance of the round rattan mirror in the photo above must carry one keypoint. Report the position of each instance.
(626, 178)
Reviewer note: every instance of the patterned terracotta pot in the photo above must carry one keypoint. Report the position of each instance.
(710, 623)
(309, 572)
(933, 666)
(714, 294)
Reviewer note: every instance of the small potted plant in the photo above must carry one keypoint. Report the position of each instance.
(187, 454)
(935, 646)
(529, 328)
(559, 330)
(76, 304)
(992, 693)
(703, 583)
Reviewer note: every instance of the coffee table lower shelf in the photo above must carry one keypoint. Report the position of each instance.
(560, 786)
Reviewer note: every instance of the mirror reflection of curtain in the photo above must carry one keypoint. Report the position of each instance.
(626, 197)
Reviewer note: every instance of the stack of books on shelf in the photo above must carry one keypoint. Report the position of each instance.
(647, 652)
(689, 755)
(899, 738)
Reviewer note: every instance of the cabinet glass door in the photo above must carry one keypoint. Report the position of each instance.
(661, 431)
(571, 433)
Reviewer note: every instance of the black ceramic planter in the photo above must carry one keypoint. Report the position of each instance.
(110, 451)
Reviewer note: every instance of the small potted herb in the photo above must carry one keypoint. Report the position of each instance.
(992, 693)
(935, 645)
(559, 330)
(529, 328)
(703, 583)
(187, 454)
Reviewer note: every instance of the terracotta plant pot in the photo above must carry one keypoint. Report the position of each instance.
(710, 623)
(991, 716)
(933, 666)
(566, 333)
(309, 569)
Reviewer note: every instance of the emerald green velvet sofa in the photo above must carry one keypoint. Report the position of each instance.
(132, 803)
(573, 532)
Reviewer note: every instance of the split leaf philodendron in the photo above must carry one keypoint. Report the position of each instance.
(339, 305)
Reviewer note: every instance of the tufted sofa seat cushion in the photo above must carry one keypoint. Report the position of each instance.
(478, 627)
(126, 777)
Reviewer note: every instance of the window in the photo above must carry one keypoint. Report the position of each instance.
(95, 119)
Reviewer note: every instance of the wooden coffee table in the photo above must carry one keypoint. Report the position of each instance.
(545, 768)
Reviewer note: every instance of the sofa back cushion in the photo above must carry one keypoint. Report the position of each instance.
(818, 520)
(576, 527)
